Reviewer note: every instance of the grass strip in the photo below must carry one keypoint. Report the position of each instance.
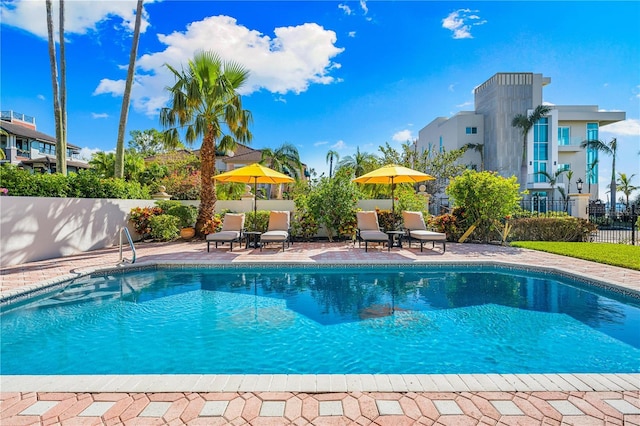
(622, 255)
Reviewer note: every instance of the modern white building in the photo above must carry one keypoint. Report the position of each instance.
(553, 143)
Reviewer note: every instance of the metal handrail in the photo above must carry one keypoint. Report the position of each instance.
(133, 249)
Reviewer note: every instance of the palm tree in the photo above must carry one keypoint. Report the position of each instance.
(331, 154)
(61, 149)
(525, 123)
(591, 171)
(359, 163)
(609, 149)
(625, 186)
(62, 144)
(204, 98)
(553, 179)
(284, 159)
(124, 111)
(479, 148)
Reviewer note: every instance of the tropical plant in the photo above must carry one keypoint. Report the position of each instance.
(609, 149)
(140, 218)
(164, 227)
(624, 185)
(186, 213)
(333, 201)
(525, 123)
(204, 98)
(552, 178)
(591, 172)
(284, 159)
(103, 164)
(124, 110)
(149, 142)
(359, 163)
(487, 198)
(331, 154)
(479, 148)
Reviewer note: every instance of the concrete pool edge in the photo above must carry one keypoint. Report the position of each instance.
(325, 383)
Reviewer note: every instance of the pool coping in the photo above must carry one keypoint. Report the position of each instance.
(319, 383)
(324, 383)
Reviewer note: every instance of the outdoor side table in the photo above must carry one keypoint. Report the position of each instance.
(395, 238)
(252, 239)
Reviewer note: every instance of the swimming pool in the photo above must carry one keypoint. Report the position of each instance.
(323, 321)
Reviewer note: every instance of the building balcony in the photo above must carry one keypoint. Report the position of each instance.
(570, 145)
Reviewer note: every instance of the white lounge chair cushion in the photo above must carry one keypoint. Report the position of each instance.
(233, 222)
(428, 235)
(224, 236)
(413, 220)
(274, 236)
(367, 221)
(278, 221)
(373, 236)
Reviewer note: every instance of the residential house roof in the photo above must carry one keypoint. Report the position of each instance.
(19, 130)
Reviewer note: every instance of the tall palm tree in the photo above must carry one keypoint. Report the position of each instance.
(331, 154)
(525, 123)
(611, 149)
(553, 179)
(61, 150)
(625, 186)
(591, 171)
(205, 103)
(124, 110)
(62, 144)
(360, 163)
(479, 148)
(284, 159)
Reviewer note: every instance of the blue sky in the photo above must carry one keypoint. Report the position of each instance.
(329, 75)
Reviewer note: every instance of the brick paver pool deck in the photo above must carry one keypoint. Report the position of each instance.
(442, 399)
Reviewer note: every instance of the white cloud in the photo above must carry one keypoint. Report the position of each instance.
(41, 97)
(346, 9)
(81, 17)
(363, 5)
(628, 127)
(281, 99)
(637, 92)
(96, 115)
(320, 143)
(402, 136)
(87, 153)
(452, 87)
(340, 145)
(352, 34)
(465, 104)
(290, 62)
(461, 21)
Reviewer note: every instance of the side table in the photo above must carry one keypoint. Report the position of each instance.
(395, 238)
(252, 239)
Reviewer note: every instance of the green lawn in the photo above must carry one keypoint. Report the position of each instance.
(622, 255)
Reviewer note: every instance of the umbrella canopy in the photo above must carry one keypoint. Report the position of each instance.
(254, 173)
(392, 174)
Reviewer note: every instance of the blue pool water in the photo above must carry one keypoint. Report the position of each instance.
(313, 321)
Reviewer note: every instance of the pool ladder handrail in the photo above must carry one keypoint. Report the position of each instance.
(133, 249)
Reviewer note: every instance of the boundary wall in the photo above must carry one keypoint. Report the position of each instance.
(39, 228)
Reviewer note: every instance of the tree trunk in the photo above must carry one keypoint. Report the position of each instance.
(61, 149)
(54, 84)
(124, 111)
(208, 170)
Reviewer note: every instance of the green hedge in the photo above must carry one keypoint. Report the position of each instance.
(551, 229)
(84, 184)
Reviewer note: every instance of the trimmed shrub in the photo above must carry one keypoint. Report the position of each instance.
(551, 229)
(164, 227)
(186, 214)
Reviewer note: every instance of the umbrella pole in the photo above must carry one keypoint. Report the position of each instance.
(255, 204)
(393, 205)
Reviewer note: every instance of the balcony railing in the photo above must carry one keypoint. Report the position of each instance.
(12, 115)
(573, 141)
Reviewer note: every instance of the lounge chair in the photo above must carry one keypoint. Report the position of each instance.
(369, 231)
(278, 230)
(232, 230)
(416, 229)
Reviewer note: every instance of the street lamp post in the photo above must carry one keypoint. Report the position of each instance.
(579, 185)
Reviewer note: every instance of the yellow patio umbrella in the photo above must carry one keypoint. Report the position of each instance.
(254, 173)
(392, 174)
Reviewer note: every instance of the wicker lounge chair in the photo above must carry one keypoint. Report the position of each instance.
(416, 229)
(369, 230)
(232, 231)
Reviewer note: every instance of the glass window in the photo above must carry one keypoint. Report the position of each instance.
(441, 146)
(564, 167)
(564, 137)
(471, 130)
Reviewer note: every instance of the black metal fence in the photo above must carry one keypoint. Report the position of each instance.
(619, 227)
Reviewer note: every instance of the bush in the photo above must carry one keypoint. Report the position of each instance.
(448, 224)
(213, 225)
(303, 224)
(186, 214)
(568, 228)
(164, 227)
(262, 222)
(140, 218)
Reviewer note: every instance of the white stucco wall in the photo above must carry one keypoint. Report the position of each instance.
(36, 228)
